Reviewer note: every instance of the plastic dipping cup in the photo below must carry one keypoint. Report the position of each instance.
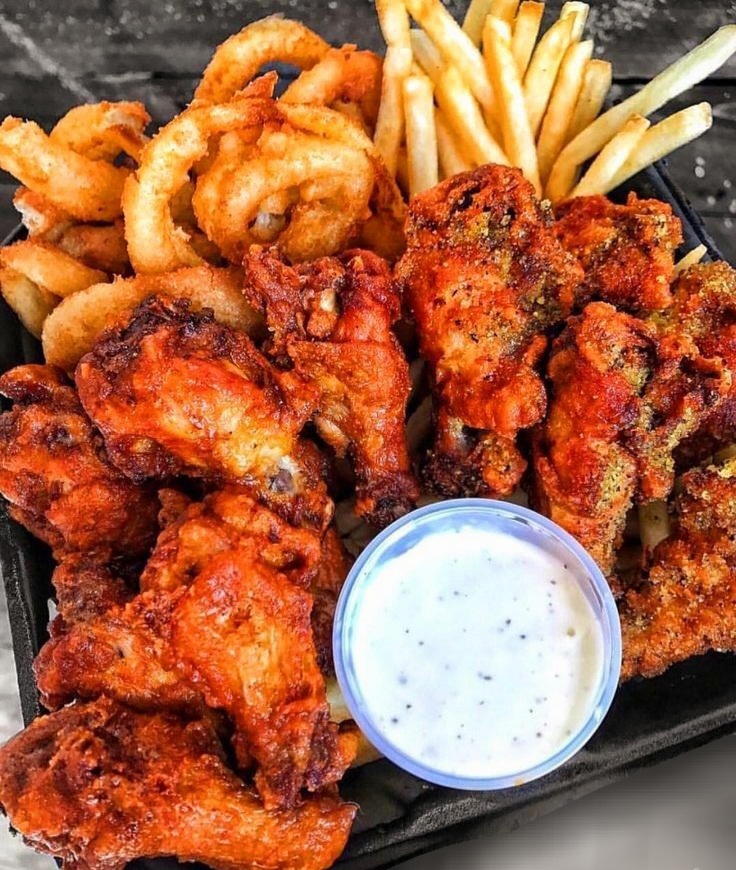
(477, 644)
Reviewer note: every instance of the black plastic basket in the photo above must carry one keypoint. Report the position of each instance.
(400, 816)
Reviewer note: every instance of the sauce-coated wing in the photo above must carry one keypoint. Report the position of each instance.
(483, 277)
(55, 473)
(98, 785)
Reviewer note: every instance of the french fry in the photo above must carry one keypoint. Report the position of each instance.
(602, 171)
(426, 54)
(663, 138)
(30, 302)
(518, 141)
(690, 69)
(421, 135)
(474, 18)
(402, 171)
(559, 114)
(542, 72)
(579, 12)
(690, 259)
(390, 122)
(452, 159)
(456, 47)
(525, 33)
(394, 22)
(464, 116)
(596, 85)
(505, 10)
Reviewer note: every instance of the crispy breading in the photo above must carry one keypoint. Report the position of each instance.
(483, 277)
(98, 785)
(334, 565)
(331, 321)
(55, 472)
(685, 602)
(174, 392)
(621, 401)
(626, 251)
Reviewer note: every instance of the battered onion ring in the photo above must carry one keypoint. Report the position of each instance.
(317, 153)
(237, 60)
(155, 243)
(100, 247)
(89, 190)
(30, 302)
(101, 131)
(344, 75)
(49, 267)
(40, 217)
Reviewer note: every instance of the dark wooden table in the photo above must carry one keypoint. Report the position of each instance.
(56, 54)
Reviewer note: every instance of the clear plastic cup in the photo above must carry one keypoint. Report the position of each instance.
(510, 519)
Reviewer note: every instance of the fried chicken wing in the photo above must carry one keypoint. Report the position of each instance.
(174, 392)
(333, 570)
(483, 276)
(685, 604)
(626, 251)
(55, 473)
(98, 785)
(331, 321)
(621, 401)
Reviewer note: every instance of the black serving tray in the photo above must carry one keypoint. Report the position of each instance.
(400, 816)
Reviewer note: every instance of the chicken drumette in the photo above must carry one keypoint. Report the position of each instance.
(174, 392)
(483, 277)
(99, 785)
(55, 473)
(331, 321)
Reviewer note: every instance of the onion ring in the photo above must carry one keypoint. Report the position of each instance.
(40, 217)
(155, 243)
(100, 247)
(89, 190)
(30, 302)
(237, 60)
(101, 131)
(49, 267)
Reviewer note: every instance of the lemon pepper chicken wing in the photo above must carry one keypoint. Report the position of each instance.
(483, 277)
(626, 251)
(620, 403)
(174, 392)
(98, 785)
(331, 320)
(55, 473)
(686, 601)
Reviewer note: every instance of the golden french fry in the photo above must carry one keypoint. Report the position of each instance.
(474, 18)
(678, 77)
(557, 118)
(525, 33)
(596, 85)
(542, 72)
(394, 22)
(49, 267)
(579, 13)
(690, 259)
(452, 159)
(30, 302)
(390, 122)
(663, 138)
(602, 171)
(426, 54)
(464, 116)
(421, 135)
(456, 47)
(518, 140)
(504, 9)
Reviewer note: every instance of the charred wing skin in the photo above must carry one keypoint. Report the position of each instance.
(483, 277)
(685, 604)
(331, 321)
(174, 392)
(626, 251)
(57, 477)
(99, 785)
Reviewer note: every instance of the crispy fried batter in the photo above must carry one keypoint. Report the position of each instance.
(483, 276)
(626, 251)
(173, 392)
(55, 473)
(98, 785)
(686, 602)
(331, 319)
(621, 402)
(325, 588)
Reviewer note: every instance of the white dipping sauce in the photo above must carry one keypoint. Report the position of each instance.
(476, 653)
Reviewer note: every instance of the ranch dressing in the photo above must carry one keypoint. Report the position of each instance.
(476, 653)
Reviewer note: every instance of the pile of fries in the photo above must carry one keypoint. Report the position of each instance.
(494, 90)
